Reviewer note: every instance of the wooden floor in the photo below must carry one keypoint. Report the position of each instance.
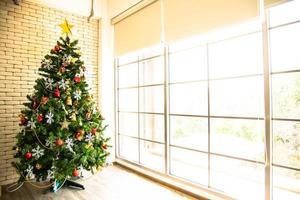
(113, 183)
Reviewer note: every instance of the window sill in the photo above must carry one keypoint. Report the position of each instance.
(188, 188)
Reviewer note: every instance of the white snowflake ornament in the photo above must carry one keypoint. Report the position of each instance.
(70, 144)
(37, 152)
(49, 117)
(62, 84)
(77, 95)
(47, 64)
(49, 143)
(89, 137)
(49, 83)
(50, 174)
(31, 124)
(29, 172)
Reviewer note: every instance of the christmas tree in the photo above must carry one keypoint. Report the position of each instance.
(62, 130)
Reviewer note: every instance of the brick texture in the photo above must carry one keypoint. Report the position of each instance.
(27, 33)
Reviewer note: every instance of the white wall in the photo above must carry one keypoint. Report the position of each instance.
(81, 7)
(107, 75)
(109, 9)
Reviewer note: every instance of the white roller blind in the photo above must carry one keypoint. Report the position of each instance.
(139, 30)
(184, 18)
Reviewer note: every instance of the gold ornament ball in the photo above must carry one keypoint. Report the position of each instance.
(99, 168)
(89, 145)
(38, 166)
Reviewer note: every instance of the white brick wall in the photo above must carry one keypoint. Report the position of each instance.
(27, 33)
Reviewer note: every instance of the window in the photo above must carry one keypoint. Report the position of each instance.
(196, 112)
(284, 33)
(140, 109)
(216, 115)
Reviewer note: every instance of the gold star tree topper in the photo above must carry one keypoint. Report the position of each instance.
(66, 28)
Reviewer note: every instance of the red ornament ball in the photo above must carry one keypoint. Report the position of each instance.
(28, 155)
(23, 119)
(44, 100)
(78, 136)
(77, 79)
(75, 173)
(104, 146)
(56, 93)
(56, 48)
(62, 69)
(93, 131)
(59, 142)
(40, 118)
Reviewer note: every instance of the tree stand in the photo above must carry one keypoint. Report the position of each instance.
(73, 184)
(67, 183)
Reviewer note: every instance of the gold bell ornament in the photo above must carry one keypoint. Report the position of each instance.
(88, 115)
(69, 101)
(89, 98)
(73, 117)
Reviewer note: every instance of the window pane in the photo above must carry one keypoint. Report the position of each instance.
(152, 99)
(128, 99)
(151, 52)
(128, 75)
(189, 132)
(286, 141)
(128, 148)
(188, 98)
(238, 137)
(242, 180)
(131, 57)
(235, 57)
(152, 71)
(286, 184)
(286, 95)
(152, 155)
(237, 97)
(189, 165)
(128, 124)
(284, 13)
(188, 65)
(285, 48)
(152, 127)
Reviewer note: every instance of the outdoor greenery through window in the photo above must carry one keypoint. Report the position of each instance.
(200, 109)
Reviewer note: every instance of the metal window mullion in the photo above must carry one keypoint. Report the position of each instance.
(286, 71)
(285, 24)
(208, 120)
(142, 139)
(138, 88)
(140, 60)
(166, 110)
(117, 106)
(267, 103)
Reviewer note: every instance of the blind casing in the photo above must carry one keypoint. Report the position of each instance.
(139, 30)
(269, 3)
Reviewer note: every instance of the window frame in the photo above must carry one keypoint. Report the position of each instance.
(267, 116)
